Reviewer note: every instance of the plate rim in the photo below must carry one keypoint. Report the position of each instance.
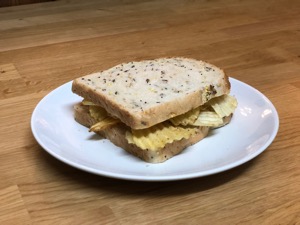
(154, 178)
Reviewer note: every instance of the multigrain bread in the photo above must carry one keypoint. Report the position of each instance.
(142, 94)
(116, 134)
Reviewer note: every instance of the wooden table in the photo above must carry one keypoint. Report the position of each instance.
(43, 46)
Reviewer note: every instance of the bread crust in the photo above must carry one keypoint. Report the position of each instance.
(116, 134)
(147, 116)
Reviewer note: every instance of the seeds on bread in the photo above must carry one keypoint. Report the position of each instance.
(142, 94)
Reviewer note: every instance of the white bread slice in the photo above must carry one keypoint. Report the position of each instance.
(116, 134)
(142, 94)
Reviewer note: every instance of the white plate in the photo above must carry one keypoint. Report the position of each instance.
(252, 129)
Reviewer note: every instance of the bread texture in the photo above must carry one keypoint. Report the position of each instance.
(142, 94)
(116, 134)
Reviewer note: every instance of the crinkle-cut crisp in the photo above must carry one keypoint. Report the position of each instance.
(187, 118)
(156, 137)
(224, 105)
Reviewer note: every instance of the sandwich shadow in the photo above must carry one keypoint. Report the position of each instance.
(95, 137)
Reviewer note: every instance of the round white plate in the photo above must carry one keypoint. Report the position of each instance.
(252, 129)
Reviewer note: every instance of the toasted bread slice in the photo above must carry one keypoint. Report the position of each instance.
(116, 134)
(142, 94)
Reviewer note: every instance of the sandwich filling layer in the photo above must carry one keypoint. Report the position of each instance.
(212, 114)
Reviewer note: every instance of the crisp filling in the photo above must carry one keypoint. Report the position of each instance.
(212, 114)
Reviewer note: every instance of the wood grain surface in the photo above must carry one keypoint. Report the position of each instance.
(45, 45)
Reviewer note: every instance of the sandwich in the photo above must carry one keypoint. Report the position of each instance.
(154, 109)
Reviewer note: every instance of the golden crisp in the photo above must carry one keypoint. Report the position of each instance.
(186, 118)
(223, 105)
(208, 119)
(156, 137)
(97, 112)
(103, 124)
(86, 102)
